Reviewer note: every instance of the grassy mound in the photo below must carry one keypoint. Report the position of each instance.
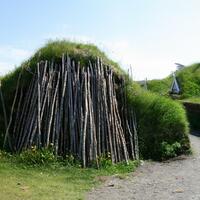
(188, 79)
(160, 86)
(162, 126)
(161, 122)
(52, 51)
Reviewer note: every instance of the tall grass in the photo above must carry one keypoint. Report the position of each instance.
(160, 120)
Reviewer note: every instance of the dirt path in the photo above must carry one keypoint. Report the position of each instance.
(178, 179)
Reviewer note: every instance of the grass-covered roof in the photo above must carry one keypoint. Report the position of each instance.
(53, 51)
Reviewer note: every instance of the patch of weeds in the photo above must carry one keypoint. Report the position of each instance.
(5, 155)
(69, 160)
(104, 160)
(37, 157)
(170, 150)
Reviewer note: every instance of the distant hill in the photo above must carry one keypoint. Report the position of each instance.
(188, 79)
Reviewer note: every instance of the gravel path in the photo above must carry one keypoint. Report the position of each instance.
(172, 180)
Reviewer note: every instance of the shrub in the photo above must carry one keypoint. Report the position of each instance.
(159, 120)
(105, 160)
(160, 86)
(69, 160)
(35, 156)
(4, 154)
(189, 79)
(170, 150)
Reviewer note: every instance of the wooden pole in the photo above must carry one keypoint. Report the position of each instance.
(7, 135)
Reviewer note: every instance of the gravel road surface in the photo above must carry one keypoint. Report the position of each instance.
(172, 180)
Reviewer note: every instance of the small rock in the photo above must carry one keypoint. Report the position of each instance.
(178, 190)
(111, 185)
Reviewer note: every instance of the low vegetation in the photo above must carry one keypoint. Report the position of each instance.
(160, 121)
(189, 81)
(192, 100)
(161, 87)
(188, 78)
(51, 179)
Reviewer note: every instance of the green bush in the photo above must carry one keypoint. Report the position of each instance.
(34, 157)
(70, 160)
(160, 86)
(170, 150)
(189, 80)
(4, 155)
(159, 120)
(105, 160)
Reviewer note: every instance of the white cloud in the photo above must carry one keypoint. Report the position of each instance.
(4, 68)
(143, 63)
(11, 57)
(13, 53)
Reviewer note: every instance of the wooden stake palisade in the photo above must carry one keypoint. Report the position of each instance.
(80, 110)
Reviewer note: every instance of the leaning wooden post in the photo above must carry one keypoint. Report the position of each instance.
(85, 123)
(7, 136)
(39, 106)
(3, 107)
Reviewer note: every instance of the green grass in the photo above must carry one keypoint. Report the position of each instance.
(18, 182)
(159, 120)
(192, 100)
(188, 79)
(161, 87)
